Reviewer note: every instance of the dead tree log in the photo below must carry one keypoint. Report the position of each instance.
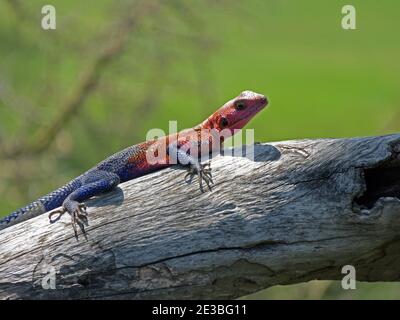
(300, 210)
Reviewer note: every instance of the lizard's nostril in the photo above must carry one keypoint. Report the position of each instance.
(263, 100)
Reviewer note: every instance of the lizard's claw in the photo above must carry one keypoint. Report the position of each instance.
(78, 216)
(203, 171)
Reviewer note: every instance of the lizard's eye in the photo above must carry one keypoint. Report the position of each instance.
(240, 105)
(223, 122)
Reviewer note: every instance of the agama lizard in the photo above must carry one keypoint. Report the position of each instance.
(134, 162)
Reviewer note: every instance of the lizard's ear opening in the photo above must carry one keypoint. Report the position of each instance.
(223, 122)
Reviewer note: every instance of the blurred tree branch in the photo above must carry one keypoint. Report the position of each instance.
(90, 77)
(87, 83)
(15, 6)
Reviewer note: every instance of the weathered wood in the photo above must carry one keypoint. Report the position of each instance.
(300, 211)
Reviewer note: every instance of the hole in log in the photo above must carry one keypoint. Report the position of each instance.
(380, 182)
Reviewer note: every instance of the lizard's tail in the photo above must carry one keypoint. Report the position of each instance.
(32, 210)
(42, 205)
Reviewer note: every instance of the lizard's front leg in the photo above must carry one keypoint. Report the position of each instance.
(93, 183)
(184, 158)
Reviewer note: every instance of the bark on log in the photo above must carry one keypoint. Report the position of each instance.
(300, 210)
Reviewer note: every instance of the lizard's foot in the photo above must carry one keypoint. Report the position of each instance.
(78, 215)
(203, 171)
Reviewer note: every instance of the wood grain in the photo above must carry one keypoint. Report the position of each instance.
(300, 210)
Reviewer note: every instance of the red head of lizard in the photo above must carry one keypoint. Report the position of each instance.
(236, 113)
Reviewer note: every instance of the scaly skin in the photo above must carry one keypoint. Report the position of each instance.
(186, 148)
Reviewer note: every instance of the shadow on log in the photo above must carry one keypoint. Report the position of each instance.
(300, 210)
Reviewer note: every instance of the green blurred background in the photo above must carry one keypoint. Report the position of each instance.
(112, 70)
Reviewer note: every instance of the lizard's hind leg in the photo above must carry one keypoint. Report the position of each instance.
(94, 183)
